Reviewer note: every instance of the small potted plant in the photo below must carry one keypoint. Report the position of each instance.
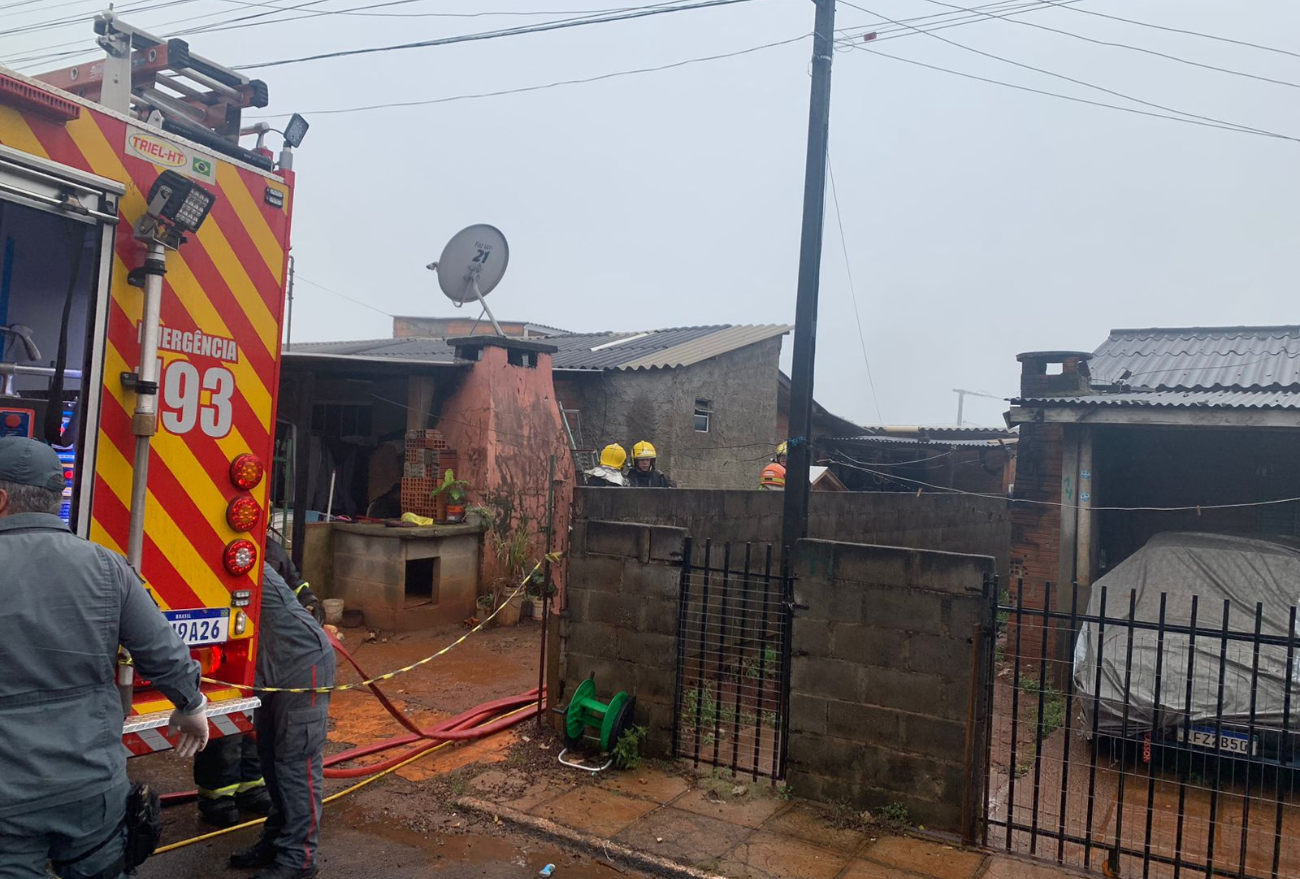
(455, 491)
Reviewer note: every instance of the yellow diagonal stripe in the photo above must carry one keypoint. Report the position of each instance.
(105, 161)
(241, 286)
(16, 133)
(165, 532)
(232, 187)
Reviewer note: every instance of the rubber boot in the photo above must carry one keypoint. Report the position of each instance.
(256, 801)
(219, 811)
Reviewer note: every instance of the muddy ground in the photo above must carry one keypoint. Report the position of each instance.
(403, 825)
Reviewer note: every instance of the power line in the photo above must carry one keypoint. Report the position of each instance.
(361, 11)
(1074, 80)
(890, 32)
(491, 35)
(1131, 48)
(1037, 91)
(853, 293)
(344, 296)
(544, 86)
(1176, 30)
(1076, 506)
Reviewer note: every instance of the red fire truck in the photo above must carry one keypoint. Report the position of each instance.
(143, 255)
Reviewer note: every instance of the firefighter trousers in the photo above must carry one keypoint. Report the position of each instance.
(291, 731)
(228, 766)
(65, 833)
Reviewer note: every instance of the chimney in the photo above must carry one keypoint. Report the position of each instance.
(1040, 377)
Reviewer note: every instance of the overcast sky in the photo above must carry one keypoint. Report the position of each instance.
(980, 221)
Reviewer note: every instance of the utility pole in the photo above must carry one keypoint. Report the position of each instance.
(795, 518)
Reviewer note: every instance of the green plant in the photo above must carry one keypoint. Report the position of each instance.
(895, 814)
(627, 750)
(1004, 600)
(701, 707)
(455, 489)
(1053, 706)
(784, 792)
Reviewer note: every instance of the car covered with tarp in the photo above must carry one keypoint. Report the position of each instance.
(1190, 640)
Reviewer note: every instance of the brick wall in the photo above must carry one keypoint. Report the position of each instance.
(1036, 526)
(881, 679)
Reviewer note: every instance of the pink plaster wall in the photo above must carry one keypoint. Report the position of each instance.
(504, 424)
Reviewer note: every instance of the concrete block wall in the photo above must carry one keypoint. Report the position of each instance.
(621, 620)
(976, 525)
(881, 679)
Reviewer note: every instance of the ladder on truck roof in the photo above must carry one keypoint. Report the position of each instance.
(160, 81)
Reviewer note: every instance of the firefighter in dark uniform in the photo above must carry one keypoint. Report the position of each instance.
(228, 773)
(67, 606)
(294, 652)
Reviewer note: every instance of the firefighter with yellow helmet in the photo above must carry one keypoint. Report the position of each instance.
(773, 476)
(644, 473)
(609, 472)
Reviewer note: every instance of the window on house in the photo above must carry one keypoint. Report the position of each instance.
(703, 415)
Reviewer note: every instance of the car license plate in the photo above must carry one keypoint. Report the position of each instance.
(1228, 742)
(210, 625)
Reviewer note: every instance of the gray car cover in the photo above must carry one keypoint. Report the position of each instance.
(1241, 571)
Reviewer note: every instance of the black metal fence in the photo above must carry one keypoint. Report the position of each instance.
(1144, 734)
(733, 659)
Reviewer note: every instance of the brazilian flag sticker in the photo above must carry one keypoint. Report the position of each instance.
(202, 168)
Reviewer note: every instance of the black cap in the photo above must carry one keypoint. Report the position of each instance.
(24, 461)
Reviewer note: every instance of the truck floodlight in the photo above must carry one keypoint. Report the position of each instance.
(179, 201)
(296, 130)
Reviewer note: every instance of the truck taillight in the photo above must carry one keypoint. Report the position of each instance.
(246, 471)
(210, 658)
(242, 513)
(239, 557)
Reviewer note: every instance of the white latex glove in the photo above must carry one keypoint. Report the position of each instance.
(193, 730)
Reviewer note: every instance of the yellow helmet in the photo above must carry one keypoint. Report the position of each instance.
(643, 449)
(613, 455)
(782, 449)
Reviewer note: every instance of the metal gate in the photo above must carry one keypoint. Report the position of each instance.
(1175, 754)
(733, 659)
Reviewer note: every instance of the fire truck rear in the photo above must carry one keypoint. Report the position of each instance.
(143, 255)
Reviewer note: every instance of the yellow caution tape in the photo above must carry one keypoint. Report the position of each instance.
(388, 676)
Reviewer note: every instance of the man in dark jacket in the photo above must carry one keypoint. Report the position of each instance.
(294, 652)
(228, 774)
(68, 605)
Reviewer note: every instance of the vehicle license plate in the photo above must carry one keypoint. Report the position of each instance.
(1228, 742)
(210, 625)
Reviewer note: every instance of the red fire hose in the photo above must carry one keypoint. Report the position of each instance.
(476, 723)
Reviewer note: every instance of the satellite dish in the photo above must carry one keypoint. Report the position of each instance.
(472, 264)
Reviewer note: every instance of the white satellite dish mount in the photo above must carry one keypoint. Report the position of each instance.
(471, 266)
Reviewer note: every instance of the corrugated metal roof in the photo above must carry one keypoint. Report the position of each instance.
(1201, 358)
(667, 348)
(1224, 399)
(918, 441)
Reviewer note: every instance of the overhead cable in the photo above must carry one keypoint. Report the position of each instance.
(544, 86)
(1131, 48)
(853, 293)
(1084, 83)
(1078, 100)
(491, 35)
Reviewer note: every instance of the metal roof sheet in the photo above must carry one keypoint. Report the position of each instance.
(1009, 438)
(1283, 398)
(667, 348)
(1200, 358)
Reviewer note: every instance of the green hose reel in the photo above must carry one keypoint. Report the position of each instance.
(586, 712)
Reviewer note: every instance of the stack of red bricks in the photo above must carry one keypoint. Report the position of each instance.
(428, 458)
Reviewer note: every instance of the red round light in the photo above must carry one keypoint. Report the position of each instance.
(239, 557)
(246, 471)
(242, 513)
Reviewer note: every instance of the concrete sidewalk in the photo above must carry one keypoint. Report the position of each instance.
(716, 827)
